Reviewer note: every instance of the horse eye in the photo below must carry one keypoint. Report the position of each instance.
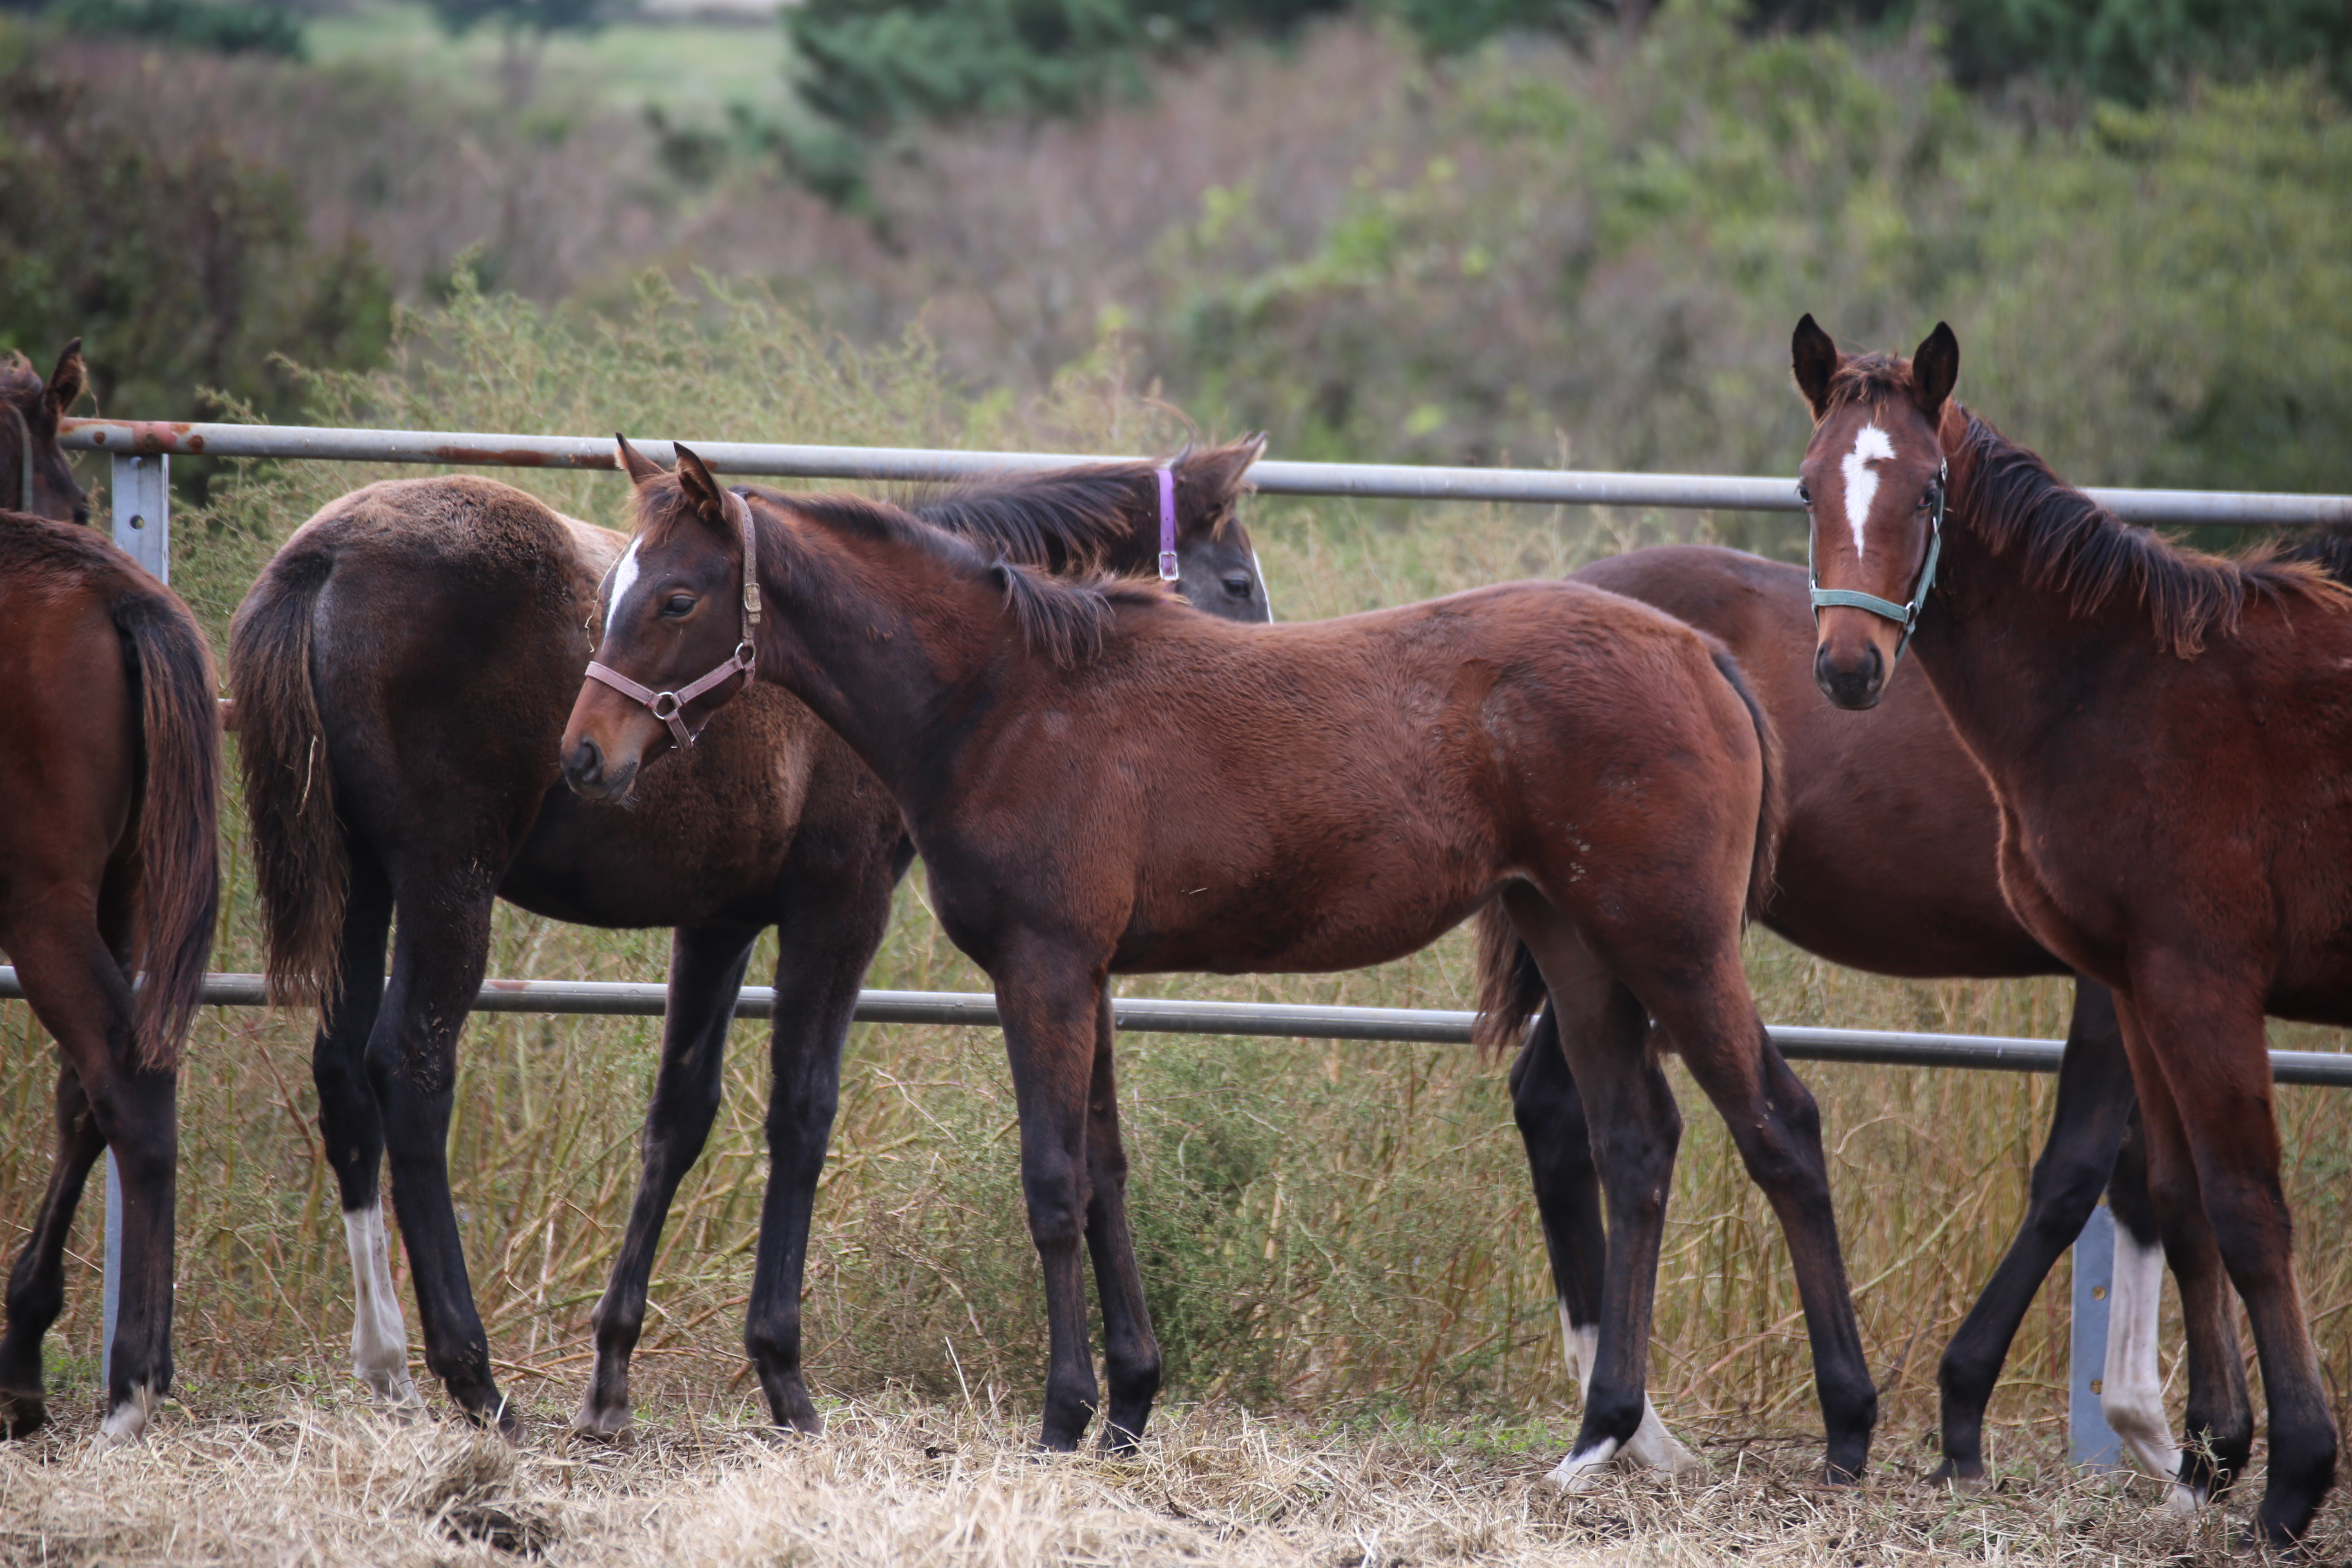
(678, 604)
(1238, 585)
(1804, 493)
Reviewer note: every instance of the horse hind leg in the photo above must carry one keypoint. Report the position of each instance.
(1712, 1020)
(2094, 1101)
(1635, 1131)
(35, 1293)
(705, 974)
(1550, 1114)
(351, 1129)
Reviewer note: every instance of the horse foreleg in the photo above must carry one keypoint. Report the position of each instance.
(833, 920)
(705, 974)
(2219, 1080)
(351, 1127)
(1050, 1003)
(2094, 1103)
(1131, 1349)
(1550, 1114)
(440, 950)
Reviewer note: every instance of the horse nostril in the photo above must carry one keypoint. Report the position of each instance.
(585, 763)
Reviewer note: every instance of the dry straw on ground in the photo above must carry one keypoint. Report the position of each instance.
(323, 1480)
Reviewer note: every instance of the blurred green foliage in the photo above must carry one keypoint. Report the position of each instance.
(520, 17)
(228, 27)
(1603, 266)
(182, 266)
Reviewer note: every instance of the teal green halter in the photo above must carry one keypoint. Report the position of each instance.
(1904, 616)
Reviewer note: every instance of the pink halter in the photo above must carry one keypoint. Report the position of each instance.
(1167, 524)
(666, 706)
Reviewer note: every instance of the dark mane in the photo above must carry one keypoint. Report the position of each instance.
(2076, 547)
(1065, 618)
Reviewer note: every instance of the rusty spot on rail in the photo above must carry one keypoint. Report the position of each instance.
(506, 984)
(521, 458)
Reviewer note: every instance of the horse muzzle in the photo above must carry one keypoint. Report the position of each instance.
(1853, 680)
(593, 776)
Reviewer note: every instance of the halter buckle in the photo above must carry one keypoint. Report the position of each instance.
(1168, 566)
(665, 714)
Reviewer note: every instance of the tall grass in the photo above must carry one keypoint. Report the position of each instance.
(1324, 1226)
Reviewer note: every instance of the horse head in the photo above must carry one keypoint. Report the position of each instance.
(38, 479)
(1873, 482)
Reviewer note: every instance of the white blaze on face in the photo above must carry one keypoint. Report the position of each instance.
(1258, 572)
(1870, 445)
(625, 577)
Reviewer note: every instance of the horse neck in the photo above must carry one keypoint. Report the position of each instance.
(2005, 654)
(862, 631)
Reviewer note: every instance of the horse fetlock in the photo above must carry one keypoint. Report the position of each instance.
(789, 1404)
(127, 1420)
(606, 1420)
(1651, 1447)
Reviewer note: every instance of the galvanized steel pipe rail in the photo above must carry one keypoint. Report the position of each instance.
(1280, 1020)
(1394, 481)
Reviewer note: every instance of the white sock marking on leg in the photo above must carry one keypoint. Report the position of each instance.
(127, 1420)
(2131, 1388)
(379, 1337)
(1650, 1447)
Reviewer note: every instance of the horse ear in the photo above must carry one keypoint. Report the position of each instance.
(1935, 371)
(694, 478)
(68, 382)
(1219, 471)
(1814, 357)
(636, 464)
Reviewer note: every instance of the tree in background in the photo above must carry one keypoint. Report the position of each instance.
(181, 267)
(524, 26)
(225, 27)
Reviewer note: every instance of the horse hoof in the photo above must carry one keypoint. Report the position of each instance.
(1968, 1477)
(609, 1425)
(23, 1412)
(1580, 1472)
(128, 1421)
(2179, 1498)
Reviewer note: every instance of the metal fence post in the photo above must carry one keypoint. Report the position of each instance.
(141, 498)
(2089, 1439)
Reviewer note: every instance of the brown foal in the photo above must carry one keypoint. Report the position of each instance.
(2168, 736)
(1100, 783)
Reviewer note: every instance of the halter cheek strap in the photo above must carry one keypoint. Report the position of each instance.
(669, 706)
(25, 455)
(1904, 616)
(1167, 524)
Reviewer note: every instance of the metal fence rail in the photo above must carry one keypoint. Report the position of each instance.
(1389, 481)
(1276, 1020)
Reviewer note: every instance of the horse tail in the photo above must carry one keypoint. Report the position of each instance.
(179, 818)
(299, 864)
(1771, 807)
(1511, 989)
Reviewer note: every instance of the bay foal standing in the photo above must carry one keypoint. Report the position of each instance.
(403, 670)
(2168, 736)
(1099, 783)
(109, 762)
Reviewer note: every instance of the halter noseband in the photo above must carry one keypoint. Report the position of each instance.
(667, 706)
(1167, 523)
(1904, 616)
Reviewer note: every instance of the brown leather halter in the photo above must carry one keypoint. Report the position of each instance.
(667, 706)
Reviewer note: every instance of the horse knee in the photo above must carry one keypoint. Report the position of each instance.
(1056, 1198)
